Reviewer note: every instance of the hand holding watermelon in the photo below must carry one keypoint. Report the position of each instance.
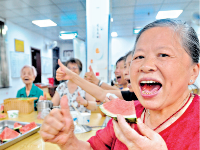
(58, 126)
(63, 73)
(149, 140)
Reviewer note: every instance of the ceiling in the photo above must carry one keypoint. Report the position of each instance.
(69, 15)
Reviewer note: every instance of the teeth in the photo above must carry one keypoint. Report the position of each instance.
(149, 82)
(148, 93)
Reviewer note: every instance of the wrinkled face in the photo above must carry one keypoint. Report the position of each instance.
(73, 67)
(119, 73)
(126, 71)
(27, 75)
(161, 69)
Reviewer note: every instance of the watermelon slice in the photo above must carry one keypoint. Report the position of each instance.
(2, 108)
(8, 134)
(17, 126)
(122, 107)
(28, 127)
(2, 116)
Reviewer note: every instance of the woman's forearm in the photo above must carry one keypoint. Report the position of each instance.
(90, 88)
(56, 99)
(92, 105)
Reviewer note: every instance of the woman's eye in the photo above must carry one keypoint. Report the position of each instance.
(139, 57)
(163, 55)
(124, 67)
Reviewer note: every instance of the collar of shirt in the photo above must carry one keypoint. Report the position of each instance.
(32, 92)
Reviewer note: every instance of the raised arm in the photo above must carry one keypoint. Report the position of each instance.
(89, 101)
(63, 73)
(90, 76)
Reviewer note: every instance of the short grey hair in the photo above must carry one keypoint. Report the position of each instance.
(187, 34)
(31, 67)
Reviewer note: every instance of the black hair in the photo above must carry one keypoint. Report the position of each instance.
(75, 61)
(120, 59)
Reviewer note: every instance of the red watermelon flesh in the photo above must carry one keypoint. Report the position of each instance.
(8, 134)
(2, 108)
(17, 125)
(121, 107)
(28, 127)
(2, 116)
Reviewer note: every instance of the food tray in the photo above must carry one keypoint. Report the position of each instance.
(10, 124)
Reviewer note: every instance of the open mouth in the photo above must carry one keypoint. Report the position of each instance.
(118, 78)
(150, 87)
(26, 79)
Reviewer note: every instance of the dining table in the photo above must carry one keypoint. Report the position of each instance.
(35, 142)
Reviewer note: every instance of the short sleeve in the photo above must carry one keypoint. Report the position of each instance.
(104, 138)
(41, 93)
(126, 95)
(129, 96)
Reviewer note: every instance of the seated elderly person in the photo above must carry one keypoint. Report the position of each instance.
(165, 61)
(77, 96)
(28, 75)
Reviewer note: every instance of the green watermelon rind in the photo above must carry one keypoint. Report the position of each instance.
(18, 127)
(129, 118)
(6, 140)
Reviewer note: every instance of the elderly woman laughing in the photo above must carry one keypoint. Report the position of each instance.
(165, 61)
(28, 74)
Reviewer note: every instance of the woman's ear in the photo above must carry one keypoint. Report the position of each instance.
(34, 78)
(195, 73)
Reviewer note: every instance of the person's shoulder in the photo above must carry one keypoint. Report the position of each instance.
(37, 88)
(196, 97)
(137, 103)
(196, 101)
(21, 90)
(63, 84)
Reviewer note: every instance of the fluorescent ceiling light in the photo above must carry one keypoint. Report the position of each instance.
(111, 19)
(44, 23)
(135, 31)
(114, 34)
(168, 14)
(68, 35)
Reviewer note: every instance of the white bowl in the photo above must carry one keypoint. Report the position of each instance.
(13, 113)
(84, 118)
(74, 115)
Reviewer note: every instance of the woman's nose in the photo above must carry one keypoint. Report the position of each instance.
(126, 71)
(148, 65)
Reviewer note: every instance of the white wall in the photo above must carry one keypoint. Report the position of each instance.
(64, 46)
(119, 47)
(30, 39)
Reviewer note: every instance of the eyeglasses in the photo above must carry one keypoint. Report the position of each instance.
(73, 68)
